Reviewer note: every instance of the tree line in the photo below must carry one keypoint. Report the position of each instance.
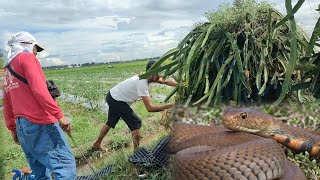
(97, 63)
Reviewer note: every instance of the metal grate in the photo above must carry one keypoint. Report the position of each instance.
(102, 173)
(158, 157)
(160, 153)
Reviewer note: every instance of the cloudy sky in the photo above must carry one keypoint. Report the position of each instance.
(79, 31)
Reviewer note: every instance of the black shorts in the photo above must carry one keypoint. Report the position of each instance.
(120, 109)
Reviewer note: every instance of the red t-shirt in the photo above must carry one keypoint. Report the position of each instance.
(32, 101)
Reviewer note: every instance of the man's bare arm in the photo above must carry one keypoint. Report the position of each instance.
(153, 108)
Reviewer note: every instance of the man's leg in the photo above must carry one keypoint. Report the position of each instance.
(136, 138)
(60, 161)
(103, 132)
(47, 147)
(134, 123)
(39, 170)
(113, 118)
(121, 109)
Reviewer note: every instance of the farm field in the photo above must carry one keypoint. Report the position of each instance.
(87, 86)
(82, 102)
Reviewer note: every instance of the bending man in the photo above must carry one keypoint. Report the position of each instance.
(119, 99)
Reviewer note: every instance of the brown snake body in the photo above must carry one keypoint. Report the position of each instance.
(206, 152)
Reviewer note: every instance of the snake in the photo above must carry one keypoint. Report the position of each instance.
(249, 146)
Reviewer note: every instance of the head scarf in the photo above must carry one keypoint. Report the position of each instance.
(20, 42)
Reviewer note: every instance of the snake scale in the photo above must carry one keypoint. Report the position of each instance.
(247, 147)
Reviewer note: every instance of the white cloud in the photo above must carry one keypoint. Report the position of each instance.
(42, 54)
(123, 4)
(51, 61)
(6, 13)
(82, 31)
(174, 24)
(106, 22)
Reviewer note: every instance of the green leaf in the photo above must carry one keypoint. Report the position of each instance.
(217, 79)
(293, 56)
(227, 80)
(200, 75)
(218, 51)
(168, 54)
(207, 86)
(193, 33)
(269, 24)
(195, 49)
(171, 71)
(171, 94)
(207, 35)
(157, 70)
(315, 35)
(239, 62)
(290, 14)
(259, 73)
(265, 70)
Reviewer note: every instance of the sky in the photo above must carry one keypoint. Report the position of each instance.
(81, 31)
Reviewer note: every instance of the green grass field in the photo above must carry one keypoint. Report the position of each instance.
(89, 84)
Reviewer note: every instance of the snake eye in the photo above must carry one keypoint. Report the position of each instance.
(244, 115)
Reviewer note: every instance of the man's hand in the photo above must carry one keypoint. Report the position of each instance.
(169, 82)
(65, 124)
(15, 137)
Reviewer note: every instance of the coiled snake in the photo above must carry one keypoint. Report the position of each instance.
(248, 149)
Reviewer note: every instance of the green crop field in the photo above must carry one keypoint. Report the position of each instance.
(88, 86)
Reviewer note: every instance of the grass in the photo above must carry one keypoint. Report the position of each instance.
(86, 123)
(12, 156)
(122, 169)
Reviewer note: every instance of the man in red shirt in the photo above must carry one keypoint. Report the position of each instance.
(31, 114)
